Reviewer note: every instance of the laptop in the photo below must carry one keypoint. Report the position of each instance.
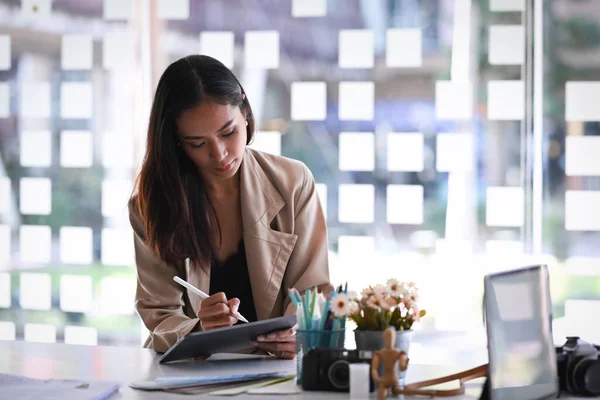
(522, 357)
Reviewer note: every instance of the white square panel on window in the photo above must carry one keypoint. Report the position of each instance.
(117, 151)
(5, 253)
(76, 245)
(350, 247)
(505, 206)
(583, 266)
(261, 49)
(5, 188)
(309, 101)
(356, 203)
(118, 9)
(4, 100)
(81, 335)
(36, 9)
(5, 290)
(117, 50)
(507, 5)
(506, 45)
(356, 101)
(40, 333)
(173, 9)
(580, 101)
(577, 319)
(117, 247)
(7, 330)
(356, 151)
(35, 292)
(76, 293)
(405, 152)
(581, 210)
(76, 100)
(267, 141)
(76, 149)
(453, 100)
(506, 100)
(455, 152)
(5, 52)
(36, 196)
(117, 296)
(219, 45)
(322, 193)
(356, 48)
(581, 155)
(405, 204)
(34, 243)
(115, 196)
(76, 52)
(36, 148)
(309, 8)
(404, 48)
(35, 100)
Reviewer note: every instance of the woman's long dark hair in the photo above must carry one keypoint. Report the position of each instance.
(178, 216)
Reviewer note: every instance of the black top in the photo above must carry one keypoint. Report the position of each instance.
(232, 278)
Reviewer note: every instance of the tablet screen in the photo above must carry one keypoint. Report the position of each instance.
(522, 359)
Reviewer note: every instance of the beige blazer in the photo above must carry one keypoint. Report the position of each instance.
(285, 238)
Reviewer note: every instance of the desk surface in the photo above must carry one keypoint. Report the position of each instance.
(125, 364)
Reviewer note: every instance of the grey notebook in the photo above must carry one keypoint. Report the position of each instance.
(224, 340)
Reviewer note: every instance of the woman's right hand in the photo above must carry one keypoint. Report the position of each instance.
(216, 311)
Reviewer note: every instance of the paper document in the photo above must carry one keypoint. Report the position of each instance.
(172, 382)
(285, 387)
(23, 388)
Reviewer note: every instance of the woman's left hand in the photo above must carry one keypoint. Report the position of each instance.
(281, 344)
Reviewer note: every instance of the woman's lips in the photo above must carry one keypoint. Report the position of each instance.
(225, 168)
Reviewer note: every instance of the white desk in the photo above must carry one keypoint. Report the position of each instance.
(125, 364)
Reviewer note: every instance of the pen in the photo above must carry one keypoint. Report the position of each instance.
(203, 295)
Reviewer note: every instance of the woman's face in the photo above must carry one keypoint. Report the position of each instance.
(214, 137)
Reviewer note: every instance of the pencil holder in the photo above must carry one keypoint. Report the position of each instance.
(309, 339)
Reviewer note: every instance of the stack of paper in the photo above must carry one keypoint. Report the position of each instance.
(205, 384)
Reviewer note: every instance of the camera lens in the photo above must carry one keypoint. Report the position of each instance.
(339, 374)
(585, 378)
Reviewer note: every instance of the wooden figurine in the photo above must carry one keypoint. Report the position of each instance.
(388, 356)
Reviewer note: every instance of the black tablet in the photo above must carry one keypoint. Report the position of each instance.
(224, 340)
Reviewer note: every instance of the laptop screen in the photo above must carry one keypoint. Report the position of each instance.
(522, 359)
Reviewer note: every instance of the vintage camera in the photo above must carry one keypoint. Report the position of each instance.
(579, 367)
(328, 369)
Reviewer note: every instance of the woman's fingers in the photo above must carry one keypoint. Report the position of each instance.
(213, 311)
(214, 299)
(282, 350)
(285, 335)
(216, 311)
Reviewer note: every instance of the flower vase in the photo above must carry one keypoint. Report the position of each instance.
(374, 341)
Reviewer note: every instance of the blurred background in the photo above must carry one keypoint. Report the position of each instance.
(396, 106)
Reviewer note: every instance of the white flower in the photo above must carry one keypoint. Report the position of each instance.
(352, 295)
(393, 286)
(340, 305)
(379, 291)
(354, 308)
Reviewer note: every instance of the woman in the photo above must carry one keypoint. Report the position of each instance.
(250, 223)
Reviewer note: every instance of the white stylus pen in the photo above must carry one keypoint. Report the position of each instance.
(202, 294)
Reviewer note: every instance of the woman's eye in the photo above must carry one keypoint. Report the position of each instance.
(197, 146)
(230, 133)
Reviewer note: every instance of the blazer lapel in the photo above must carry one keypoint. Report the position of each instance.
(267, 251)
(197, 276)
